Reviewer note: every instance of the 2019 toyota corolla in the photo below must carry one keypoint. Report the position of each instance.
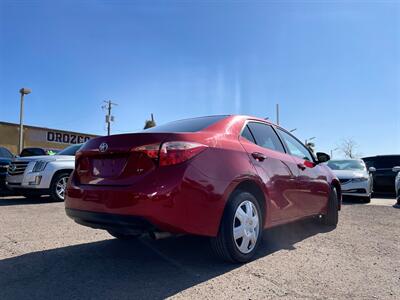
(225, 177)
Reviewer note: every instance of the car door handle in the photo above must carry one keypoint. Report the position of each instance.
(301, 167)
(258, 156)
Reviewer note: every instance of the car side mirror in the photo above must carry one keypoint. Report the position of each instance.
(371, 169)
(322, 157)
(396, 169)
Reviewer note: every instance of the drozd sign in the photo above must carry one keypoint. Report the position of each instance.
(66, 138)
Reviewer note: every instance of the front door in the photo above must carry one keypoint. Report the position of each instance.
(313, 188)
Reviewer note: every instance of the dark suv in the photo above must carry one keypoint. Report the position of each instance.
(384, 177)
(5, 159)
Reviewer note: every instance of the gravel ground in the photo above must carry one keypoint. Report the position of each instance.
(43, 254)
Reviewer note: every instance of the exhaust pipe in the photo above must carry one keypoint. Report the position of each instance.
(156, 235)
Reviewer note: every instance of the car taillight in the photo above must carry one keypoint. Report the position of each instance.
(151, 150)
(172, 153)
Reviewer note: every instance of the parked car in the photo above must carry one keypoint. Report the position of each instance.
(35, 151)
(397, 183)
(5, 159)
(42, 175)
(384, 177)
(225, 177)
(354, 177)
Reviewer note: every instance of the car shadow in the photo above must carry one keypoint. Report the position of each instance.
(25, 201)
(351, 200)
(137, 269)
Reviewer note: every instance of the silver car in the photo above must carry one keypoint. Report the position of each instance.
(355, 178)
(42, 175)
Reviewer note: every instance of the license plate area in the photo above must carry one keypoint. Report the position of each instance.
(108, 167)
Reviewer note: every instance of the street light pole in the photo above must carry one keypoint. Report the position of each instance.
(277, 114)
(23, 92)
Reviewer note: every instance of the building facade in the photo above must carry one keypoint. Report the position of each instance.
(39, 137)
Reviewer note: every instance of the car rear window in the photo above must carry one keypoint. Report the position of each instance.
(187, 125)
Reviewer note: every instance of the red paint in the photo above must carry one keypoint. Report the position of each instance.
(186, 191)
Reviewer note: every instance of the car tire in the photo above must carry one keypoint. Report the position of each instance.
(366, 199)
(58, 186)
(123, 236)
(332, 216)
(241, 212)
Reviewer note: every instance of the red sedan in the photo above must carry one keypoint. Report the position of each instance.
(225, 177)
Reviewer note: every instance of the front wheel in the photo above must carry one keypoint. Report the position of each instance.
(367, 199)
(332, 216)
(240, 231)
(58, 186)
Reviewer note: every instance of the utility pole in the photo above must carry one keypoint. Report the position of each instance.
(23, 92)
(277, 114)
(109, 118)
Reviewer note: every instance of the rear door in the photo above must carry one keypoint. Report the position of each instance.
(275, 168)
(313, 188)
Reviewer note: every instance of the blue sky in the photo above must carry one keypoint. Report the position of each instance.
(333, 66)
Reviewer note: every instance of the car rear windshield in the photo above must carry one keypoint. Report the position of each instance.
(187, 125)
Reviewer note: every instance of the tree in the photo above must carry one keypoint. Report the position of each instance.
(150, 123)
(348, 147)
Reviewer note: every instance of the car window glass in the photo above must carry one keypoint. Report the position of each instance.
(247, 135)
(295, 147)
(187, 125)
(265, 136)
(71, 150)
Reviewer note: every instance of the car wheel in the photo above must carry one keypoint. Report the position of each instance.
(58, 186)
(240, 231)
(367, 199)
(332, 216)
(123, 236)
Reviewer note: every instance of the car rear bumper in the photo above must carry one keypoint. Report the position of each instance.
(120, 223)
(182, 201)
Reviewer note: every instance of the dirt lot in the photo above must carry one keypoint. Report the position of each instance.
(43, 254)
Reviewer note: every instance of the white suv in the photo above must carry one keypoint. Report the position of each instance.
(42, 175)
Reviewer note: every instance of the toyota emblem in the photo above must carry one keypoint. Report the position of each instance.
(103, 147)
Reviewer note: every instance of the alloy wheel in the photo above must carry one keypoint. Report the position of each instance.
(61, 185)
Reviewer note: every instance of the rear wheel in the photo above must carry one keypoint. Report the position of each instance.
(58, 186)
(123, 236)
(240, 231)
(332, 216)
